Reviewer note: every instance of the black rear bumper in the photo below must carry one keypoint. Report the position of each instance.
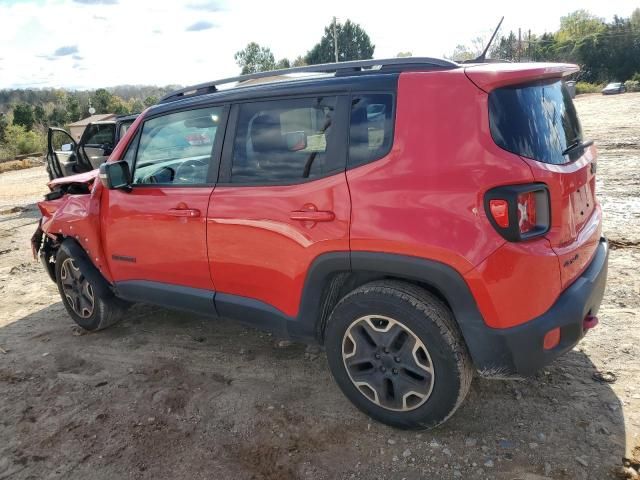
(519, 350)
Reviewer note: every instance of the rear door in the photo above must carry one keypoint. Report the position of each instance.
(538, 121)
(156, 232)
(281, 200)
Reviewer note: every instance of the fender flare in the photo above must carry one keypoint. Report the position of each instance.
(487, 349)
(100, 285)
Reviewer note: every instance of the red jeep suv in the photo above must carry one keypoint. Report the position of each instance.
(419, 218)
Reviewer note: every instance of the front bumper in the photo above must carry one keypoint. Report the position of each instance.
(519, 350)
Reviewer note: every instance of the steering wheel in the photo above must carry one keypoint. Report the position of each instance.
(187, 172)
(156, 177)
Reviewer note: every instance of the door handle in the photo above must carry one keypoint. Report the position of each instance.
(184, 212)
(312, 216)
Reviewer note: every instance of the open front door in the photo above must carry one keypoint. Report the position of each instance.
(61, 156)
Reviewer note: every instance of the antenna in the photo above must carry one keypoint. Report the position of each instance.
(483, 55)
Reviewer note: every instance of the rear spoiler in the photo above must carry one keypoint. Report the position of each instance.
(490, 76)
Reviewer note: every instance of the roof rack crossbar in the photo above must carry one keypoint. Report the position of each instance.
(353, 66)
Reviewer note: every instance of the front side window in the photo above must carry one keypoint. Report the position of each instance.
(176, 148)
(537, 121)
(371, 129)
(283, 141)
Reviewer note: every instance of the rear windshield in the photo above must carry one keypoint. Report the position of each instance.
(535, 120)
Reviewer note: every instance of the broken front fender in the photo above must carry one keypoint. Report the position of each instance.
(75, 216)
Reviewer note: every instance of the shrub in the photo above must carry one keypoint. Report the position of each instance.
(17, 141)
(632, 85)
(636, 77)
(586, 87)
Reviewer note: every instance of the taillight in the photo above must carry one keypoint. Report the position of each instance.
(526, 212)
(519, 212)
(500, 212)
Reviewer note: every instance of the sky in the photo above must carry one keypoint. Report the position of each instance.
(87, 44)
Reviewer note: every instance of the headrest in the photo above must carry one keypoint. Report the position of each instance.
(266, 135)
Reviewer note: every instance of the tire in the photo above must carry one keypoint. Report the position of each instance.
(422, 377)
(91, 310)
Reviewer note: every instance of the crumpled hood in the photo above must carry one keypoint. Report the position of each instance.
(86, 177)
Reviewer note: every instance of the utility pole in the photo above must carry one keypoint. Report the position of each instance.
(519, 43)
(335, 39)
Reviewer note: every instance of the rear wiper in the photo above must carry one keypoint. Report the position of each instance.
(577, 144)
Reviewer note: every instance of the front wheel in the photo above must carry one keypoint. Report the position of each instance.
(83, 303)
(397, 354)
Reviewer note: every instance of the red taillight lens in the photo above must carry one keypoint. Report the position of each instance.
(526, 212)
(500, 212)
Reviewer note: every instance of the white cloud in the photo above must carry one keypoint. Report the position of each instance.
(148, 42)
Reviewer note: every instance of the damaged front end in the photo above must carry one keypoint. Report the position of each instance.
(70, 210)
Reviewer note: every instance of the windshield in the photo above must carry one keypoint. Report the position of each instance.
(535, 120)
(613, 85)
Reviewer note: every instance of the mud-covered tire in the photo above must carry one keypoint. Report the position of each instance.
(97, 309)
(403, 399)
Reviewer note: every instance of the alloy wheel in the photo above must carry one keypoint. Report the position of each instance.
(77, 289)
(387, 363)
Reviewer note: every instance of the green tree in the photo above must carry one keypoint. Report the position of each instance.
(4, 123)
(578, 25)
(299, 62)
(74, 112)
(404, 54)
(100, 100)
(255, 58)
(117, 106)
(150, 100)
(136, 106)
(284, 63)
(39, 115)
(58, 117)
(353, 44)
(23, 115)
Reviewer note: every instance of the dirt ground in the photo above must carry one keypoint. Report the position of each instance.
(166, 395)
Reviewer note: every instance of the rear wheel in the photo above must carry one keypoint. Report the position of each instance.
(83, 303)
(396, 352)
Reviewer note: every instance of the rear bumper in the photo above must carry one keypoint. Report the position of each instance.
(519, 350)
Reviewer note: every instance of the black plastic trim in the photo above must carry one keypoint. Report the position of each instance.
(524, 343)
(100, 285)
(189, 299)
(510, 194)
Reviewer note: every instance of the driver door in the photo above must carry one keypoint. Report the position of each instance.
(155, 234)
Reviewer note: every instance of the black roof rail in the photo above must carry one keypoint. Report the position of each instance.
(340, 68)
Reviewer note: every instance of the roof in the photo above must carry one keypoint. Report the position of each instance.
(299, 86)
(92, 119)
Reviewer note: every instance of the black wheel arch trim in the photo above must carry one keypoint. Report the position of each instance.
(100, 285)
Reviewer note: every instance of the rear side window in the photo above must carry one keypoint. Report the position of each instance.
(537, 121)
(371, 128)
(283, 141)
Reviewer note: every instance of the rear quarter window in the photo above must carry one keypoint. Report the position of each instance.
(371, 127)
(536, 120)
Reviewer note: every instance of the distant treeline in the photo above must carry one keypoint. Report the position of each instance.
(26, 114)
(605, 51)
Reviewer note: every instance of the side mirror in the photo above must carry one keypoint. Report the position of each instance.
(116, 175)
(66, 147)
